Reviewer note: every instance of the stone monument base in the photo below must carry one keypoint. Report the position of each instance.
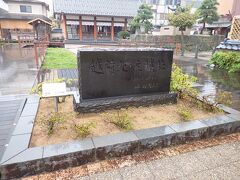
(102, 104)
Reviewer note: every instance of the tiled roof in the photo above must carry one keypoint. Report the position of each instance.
(22, 16)
(121, 8)
(230, 45)
(219, 24)
(2, 11)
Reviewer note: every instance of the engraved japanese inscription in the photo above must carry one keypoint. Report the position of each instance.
(108, 73)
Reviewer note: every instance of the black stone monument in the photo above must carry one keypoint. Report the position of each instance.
(120, 77)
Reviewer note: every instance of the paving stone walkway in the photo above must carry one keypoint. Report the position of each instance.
(219, 162)
(10, 109)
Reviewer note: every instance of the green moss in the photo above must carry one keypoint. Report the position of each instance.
(59, 58)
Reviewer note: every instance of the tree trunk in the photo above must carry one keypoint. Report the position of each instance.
(182, 44)
(204, 25)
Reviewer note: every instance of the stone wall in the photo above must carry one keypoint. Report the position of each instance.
(204, 42)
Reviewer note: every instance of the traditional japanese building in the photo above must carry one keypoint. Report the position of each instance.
(94, 20)
(15, 17)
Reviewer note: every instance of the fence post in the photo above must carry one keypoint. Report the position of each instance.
(182, 45)
(19, 43)
(36, 54)
(196, 52)
(214, 50)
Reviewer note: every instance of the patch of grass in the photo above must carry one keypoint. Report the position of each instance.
(185, 113)
(121, 119)
(59, 58)
(83, 130)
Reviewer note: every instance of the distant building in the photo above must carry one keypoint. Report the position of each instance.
(3, 6)
(229, 7)
(226, 10)
(14, 19)
(94, 20)
(161, 8)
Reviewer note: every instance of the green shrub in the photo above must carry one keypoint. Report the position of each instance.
(2, 42)
(123, 34)
(180, 81)
(227, 60)
(52, 121)
(121, 119)
(83, 130)
(185, 113)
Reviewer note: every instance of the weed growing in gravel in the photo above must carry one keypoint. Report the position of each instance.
(120, 119)
(52, 122)
(185, 113)
(83, 130)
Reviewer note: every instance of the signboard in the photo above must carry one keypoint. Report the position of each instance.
(123, 71)
(54, 89)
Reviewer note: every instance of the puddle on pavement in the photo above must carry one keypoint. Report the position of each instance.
(211, 82)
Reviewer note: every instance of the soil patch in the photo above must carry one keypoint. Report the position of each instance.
(141, 118)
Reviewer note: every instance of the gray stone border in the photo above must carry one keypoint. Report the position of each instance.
(102, 104)
(19, 160)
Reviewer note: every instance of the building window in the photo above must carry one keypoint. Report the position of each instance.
(172, 2)
(25, 9)
(177, 2)
(155, 2)
(152, 2)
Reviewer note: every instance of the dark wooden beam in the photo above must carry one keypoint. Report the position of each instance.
(65, 27)
(112, 29)
(80, 29)
(95, 29)
(125, 24)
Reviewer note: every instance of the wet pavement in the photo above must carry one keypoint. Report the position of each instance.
(10, 110)
(18, 72)
(17, 69)
(211, 82)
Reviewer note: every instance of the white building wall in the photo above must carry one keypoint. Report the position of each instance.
(160, 7)
(36, 8)
(44, 10)
(3, 5)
